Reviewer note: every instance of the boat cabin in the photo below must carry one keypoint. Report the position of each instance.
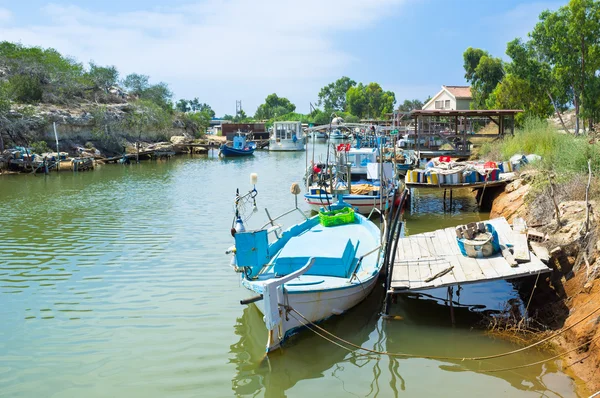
(287, 131)
(239, 141)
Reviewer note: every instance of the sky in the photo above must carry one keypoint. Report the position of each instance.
(226, 50)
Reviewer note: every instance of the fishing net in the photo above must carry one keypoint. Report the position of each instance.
(245, 205)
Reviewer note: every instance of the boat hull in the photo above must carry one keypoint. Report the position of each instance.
(286, 145)
(229, 151)
(317, 306)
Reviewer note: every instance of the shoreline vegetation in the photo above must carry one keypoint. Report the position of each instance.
(552, 76)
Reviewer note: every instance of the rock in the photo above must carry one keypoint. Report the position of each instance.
(510, 204)
(180, 140)
(513, 186)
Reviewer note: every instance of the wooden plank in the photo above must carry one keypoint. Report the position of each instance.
(400, 250)
(431, 248)
(457, 271)
(414, 245)
(521, 248)
(502, 266)
(487, 268)
(408, 249)
(451, 239)
(423, 246)
(470, 268)
(442, 243)
(414, 274)
(400, 277)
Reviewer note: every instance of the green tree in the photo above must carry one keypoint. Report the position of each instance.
(182, 105)
(370, 100)
(409, 105)
(160, 94)
(333, 96)
(484, 72)
(273, 107)
(516, 93)
(567, 40)
(103, 77)
(136, 84)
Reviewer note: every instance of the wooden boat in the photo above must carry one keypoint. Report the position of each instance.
(241, 146)
(319, 267)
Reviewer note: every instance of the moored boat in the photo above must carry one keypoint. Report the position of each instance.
(241, 146)
(286, 136)
(321, 266)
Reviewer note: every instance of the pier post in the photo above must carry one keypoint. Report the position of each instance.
(451, 200)
(450, 299)
(444, 199)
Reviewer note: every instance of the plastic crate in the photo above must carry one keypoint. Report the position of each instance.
(337, 217)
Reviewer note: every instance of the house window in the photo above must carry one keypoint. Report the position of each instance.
(447, 104)
(439, 104)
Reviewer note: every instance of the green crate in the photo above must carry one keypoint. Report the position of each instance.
(337, 217)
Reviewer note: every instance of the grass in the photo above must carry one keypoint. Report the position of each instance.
(562, 153)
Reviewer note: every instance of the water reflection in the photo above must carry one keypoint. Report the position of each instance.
(304, 356)
(416, 329)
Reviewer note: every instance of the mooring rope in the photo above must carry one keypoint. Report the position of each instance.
(543, 360)
(312, 325)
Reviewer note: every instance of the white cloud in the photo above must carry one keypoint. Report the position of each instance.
(5, 15)
(224, 45)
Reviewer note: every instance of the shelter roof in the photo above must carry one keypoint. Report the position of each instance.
(467, 112)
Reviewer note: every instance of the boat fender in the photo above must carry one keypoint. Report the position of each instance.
(239, 225)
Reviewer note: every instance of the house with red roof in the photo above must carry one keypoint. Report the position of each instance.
(450, 98)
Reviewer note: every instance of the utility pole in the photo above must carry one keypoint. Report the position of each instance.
(238, 108)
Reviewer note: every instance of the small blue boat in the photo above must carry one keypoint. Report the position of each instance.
(241, 146)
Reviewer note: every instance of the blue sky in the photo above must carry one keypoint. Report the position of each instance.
(226, 50)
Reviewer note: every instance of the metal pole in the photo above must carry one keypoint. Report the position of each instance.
(57, 151)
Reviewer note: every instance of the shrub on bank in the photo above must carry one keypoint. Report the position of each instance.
(560, 152)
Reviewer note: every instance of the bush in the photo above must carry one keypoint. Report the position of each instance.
(40, 147)
(559, 152)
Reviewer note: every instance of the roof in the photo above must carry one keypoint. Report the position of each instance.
(466, 112)
(459, 92)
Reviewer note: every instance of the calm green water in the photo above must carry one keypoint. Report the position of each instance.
(115, 283)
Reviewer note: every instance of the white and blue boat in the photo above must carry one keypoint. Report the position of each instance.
(368, 190)
(241, 146)
(320, 267)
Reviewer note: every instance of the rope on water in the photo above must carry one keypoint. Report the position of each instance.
(543, 360)
(312, 326)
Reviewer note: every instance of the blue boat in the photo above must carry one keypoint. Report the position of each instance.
(321, 266)
(241, 146)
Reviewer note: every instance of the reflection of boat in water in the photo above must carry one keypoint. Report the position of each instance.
(310, 357)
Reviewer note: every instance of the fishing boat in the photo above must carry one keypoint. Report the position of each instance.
(339, 135)
(241, 146)
(319, 267)
(367, 189)
(286, 136)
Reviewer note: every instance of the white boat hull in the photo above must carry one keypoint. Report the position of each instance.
(314, 306)
(286, 145)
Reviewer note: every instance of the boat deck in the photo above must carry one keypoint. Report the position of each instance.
(327, 244)
(421, 257)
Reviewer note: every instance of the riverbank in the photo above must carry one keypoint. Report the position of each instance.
(573, 290)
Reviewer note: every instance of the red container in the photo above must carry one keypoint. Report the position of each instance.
(490, 165)
(445, 159)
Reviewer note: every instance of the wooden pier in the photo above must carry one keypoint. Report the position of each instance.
(433, 260)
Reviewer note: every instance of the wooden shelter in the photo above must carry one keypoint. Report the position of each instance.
(452, 127)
